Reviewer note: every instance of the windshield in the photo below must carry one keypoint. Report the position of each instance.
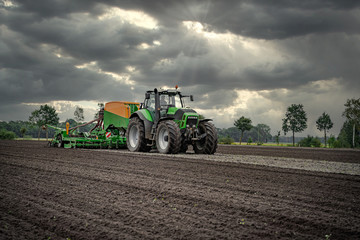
(171, 100)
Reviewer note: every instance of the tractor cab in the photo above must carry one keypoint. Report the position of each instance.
(167, 102)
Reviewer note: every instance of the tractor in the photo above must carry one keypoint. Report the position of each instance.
(163, 122)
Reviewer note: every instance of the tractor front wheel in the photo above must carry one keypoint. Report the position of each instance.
(135, 136)
(208, 144)
(168, 137)
(184, 145)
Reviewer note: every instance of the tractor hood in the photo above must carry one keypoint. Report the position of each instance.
(178, 113)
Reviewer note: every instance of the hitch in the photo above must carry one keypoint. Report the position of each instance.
(199, 137)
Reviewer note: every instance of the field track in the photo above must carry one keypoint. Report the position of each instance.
(51, 193)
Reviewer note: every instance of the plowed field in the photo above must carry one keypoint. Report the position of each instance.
(51, 193)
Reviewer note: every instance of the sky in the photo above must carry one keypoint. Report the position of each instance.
(238, 58)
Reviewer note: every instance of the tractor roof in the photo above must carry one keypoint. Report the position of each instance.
(166, 91)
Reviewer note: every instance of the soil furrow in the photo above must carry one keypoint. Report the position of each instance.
(109, 194)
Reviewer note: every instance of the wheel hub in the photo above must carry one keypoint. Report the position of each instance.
(134, 136)
(163, 138)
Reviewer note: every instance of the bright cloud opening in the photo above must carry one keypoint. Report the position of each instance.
(137, 18)
(123, 78)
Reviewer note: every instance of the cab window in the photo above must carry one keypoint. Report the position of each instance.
(150, 103)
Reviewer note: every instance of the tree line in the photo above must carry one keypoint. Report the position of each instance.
(295, 121)
(36, 126)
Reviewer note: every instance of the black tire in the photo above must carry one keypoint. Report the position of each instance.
(208, 144)
(135, 136)
(184, 146)
(168, 137)
(60, 143)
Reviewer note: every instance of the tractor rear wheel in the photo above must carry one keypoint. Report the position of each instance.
(208, 144)
(135, 136)
(168, 137)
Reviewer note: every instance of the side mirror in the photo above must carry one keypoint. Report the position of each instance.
(191, 98)
(147, 95)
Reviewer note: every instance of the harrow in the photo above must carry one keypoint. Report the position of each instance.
(108, 132)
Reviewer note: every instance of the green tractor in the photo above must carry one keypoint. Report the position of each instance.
(163, 122)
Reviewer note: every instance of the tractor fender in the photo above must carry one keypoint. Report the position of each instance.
(205, 120)
(166, 118)
(147, 124)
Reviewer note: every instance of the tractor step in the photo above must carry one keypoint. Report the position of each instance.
(152, 136)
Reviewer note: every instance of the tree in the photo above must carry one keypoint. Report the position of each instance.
(233, 132)
(352, 113)
(324, 123)
(263, 132)
(79, 114)
(277, 138)
(243, 124)
(36, 120)
(45, 115)
(100, 105)
(295, 120)
(345, 138)
(23, 131)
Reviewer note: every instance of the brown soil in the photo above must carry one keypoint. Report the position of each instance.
(84, 194)
(326, 154)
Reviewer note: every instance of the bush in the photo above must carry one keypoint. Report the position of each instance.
(337, 144)
(331, 141)
(249, 141)
(341, 144)
(315, 142)
(5, 134)
(28, 137)
(309, 141)
(226, 140)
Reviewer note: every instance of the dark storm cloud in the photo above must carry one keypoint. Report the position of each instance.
(283, 19)
(330, 55)
(256, 18)
(84, 40)
(312, 40)
(32, 73)
(324, 24)
(47, 9)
